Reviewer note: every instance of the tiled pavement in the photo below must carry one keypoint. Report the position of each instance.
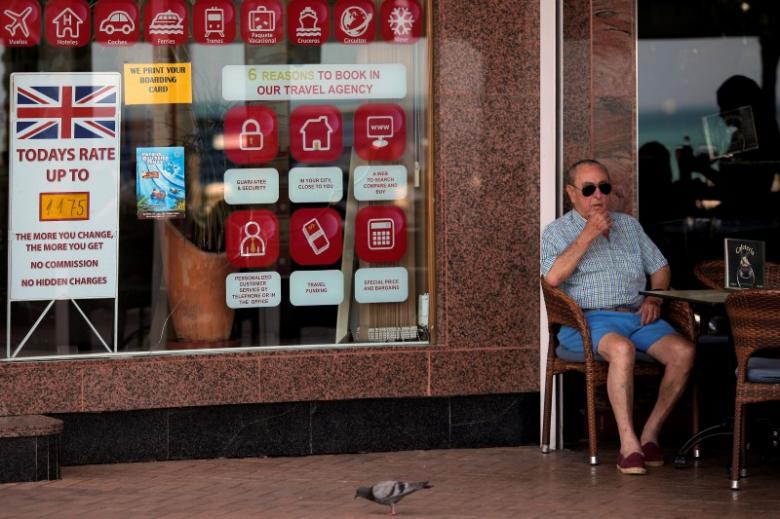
(490, 483)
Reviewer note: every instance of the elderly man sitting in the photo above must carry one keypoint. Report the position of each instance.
(601, 259)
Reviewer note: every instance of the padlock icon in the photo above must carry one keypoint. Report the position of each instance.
(250, 140)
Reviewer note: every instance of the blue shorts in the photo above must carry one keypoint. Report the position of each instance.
(602, 322)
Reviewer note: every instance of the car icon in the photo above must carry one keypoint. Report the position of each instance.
(117, 21)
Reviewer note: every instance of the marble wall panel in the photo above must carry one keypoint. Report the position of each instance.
(170, 382)
(474, 372)
(492, 223)
(614, 48)
(329, 376)
(575, 84)
(32, 388)
(473, 42)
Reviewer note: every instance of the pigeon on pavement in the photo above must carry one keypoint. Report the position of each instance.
(390, 492)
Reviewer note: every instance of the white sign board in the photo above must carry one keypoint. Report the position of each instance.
(251, 186)
(381, 285)
(253, 289)
(316, 287)
(316, 185)
(64, 185)
(380, 183)
(300, 82)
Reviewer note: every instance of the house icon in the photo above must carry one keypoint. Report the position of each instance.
(316, 134)
(67, 22)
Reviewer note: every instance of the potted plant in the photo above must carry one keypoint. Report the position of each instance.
(194, 259)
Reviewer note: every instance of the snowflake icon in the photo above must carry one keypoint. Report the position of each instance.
(401, 20)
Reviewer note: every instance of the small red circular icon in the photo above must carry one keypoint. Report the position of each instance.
(261, 22)
(67, 23)
(252, 238)
(307, 22)
(401, 21)
(380, 233)
(380, 131)
(166, 22)
(251, 135)
(315, 236)
(316, 133)
(21, 23)
(116, 23)
(354, 21)
(214, 22)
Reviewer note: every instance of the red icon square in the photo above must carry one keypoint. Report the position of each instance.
(380, 233)
(315, 236)
(20, 23)
(401, 20)
(166, 22)
(252, 238)
(316, 133)
(380, 131)
(214, 22)
(261, 22)
(307, 22)
(116, 23)
(251, 134)
(354, 21)
(67, 23)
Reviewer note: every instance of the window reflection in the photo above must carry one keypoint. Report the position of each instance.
(708, 140)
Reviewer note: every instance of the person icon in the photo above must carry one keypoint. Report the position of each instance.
(252, 244)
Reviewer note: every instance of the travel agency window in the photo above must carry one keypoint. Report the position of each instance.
(215, 174)
(709, 145)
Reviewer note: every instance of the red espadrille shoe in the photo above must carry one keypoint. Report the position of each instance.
(653, 455)
(633, 464)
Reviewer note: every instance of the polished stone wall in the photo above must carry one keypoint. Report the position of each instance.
(486, 235)
(599, 90)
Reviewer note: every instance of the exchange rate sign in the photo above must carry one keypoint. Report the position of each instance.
(64, 185)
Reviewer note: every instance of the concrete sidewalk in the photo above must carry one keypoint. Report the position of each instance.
(492, 483)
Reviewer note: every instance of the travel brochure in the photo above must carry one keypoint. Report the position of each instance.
(160, 182)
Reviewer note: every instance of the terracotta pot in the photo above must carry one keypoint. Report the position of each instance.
(196, 289)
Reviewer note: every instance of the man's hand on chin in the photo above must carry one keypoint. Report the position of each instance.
(599, 221)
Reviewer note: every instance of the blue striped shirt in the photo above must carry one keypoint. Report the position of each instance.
(612, 271)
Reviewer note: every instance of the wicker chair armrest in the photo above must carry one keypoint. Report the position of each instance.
(680, 315)
(563, 310)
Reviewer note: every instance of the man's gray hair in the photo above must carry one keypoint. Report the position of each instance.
(572, 171)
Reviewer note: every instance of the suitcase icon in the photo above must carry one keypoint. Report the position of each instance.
(262, 20)
(251, 138)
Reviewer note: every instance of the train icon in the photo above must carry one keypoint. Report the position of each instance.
(215, 22)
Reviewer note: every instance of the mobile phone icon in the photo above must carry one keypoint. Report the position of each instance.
(315, 236)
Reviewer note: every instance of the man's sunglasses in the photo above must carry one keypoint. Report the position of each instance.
(589, 189)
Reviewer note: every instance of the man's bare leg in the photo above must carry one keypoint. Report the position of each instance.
(677, 355)
(620, 353)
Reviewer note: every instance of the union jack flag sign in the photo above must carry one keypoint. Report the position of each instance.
(66, 112)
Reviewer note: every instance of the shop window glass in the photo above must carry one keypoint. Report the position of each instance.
(709, 146)
(239, 174)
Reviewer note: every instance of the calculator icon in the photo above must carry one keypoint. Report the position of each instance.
(381, 234)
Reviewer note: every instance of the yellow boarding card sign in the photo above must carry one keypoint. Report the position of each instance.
(158, 83)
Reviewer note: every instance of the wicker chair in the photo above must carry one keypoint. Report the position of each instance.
(755, 325)
(562, 310)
